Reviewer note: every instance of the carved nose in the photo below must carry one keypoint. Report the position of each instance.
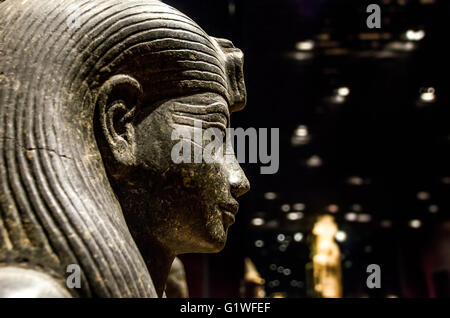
(238, 182)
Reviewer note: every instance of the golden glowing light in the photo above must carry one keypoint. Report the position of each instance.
(326, 259)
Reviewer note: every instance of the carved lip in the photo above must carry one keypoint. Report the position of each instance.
(229, 211)
(228, 218)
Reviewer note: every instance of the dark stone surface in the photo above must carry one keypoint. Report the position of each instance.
(90, 92)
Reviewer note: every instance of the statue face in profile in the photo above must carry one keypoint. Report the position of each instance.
(91, 94)
(199, 199)
(186, 207)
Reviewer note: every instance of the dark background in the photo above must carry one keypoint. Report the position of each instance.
(384, 152)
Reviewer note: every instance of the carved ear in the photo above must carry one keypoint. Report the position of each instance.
(117, 101)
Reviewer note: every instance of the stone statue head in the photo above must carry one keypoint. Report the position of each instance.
(90, 93)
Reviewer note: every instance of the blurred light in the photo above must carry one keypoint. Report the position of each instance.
(294, 216)
(280, 269)
(348, 264)
(340, 236)
(373, 36)
(333, 208)
(258, 221)
(231, 8)
(338, 99)
(270, 196)
(415, 224)
(336, 51)
(357, 207)
(369, 36)
(298, 207)
(301, 56)
(433, 208)
(355, 180)
(298, 237)
(274, 283)
(323, 36)
(302, 131)
(282, 248)
(428, 95)
(415, 35)
(326, 258)
(343, 91)
(386, 223)
(281, 237)
(285, 208)
(408, 46)
(305, 45)
(351, 216)
(295, 283)
(287, 272)
(400, 46)
(314, 162)
(445, 180)
(368, 249)
(273, 267)
(272, 224)
(301, 136)
(423, 195)
(391, 296)
(259, 243)
(364, 218)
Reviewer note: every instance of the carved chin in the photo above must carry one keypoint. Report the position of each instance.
(216, 245)
(217, 232)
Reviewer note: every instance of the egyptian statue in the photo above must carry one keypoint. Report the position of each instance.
(326, 260)
(90, 93)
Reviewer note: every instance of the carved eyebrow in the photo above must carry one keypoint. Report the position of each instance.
(216, 107)
(216, 113)
(189, 121)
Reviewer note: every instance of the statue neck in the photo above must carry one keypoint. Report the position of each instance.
(157, 257)
(159, 262)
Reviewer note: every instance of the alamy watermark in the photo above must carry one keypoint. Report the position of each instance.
(73, 21)
(374, 19)
(215, 145)
(73, 280)
(374, 279)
